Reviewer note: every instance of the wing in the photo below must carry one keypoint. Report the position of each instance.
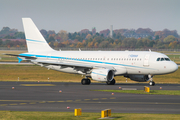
(65, 64)
(70, 64)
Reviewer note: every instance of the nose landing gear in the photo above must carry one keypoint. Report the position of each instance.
(151, 83)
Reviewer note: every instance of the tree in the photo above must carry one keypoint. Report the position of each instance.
(44, 33)
(79, 45)
(173, 44)
(63, 35)
(157, 37)
(1, 42)
(169, 39)
(88, 36)
(51, 39)
(104, 44)
(19, 35)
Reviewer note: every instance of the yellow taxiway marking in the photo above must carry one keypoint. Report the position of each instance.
(12, 104)
(23, 103)
(87, 99)
(60, 101)
(104, 98)
(78, 100)
(17, 100)
(96, 99)
(32, 103)
(42, 102)
(38, 85)
(69, 100)
(51, 101)
(3, 105)
(113, 98)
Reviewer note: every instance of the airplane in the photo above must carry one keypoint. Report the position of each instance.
(101, 66)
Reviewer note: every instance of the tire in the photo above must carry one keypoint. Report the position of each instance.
(111, 82)
(85, 81)
(151, 83)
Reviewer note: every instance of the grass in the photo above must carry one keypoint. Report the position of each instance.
(152, 92)
(37, 73)
(24, 115)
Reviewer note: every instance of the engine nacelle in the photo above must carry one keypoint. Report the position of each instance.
(102, 75)
(139, 78)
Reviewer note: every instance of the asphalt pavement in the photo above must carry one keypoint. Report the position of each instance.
(65, 97)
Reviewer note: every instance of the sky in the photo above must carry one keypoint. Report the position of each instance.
(75, 15)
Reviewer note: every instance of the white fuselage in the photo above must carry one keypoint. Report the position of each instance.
(124, 62)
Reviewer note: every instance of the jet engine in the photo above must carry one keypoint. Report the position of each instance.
(139, 78)
(102, 75)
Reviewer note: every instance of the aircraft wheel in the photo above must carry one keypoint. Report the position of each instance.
(111, 82)
(151, 83)
(85, 81)
(88, 81)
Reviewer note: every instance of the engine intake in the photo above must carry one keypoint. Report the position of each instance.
(102, 75)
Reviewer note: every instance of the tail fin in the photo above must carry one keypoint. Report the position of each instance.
(34, 39)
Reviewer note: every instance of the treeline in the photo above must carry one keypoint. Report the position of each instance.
(122, 38)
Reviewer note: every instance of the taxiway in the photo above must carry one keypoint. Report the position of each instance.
(46, 96)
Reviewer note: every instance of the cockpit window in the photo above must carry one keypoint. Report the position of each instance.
(162, 59)
(167, 59)
(158, 59)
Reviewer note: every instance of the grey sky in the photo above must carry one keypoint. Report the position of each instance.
(75, 15)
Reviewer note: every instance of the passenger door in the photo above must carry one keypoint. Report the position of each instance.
(146, 60)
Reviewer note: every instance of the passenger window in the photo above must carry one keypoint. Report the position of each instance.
(158, 59)
(162, 59)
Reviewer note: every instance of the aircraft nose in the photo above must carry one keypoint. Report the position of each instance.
(174, 67)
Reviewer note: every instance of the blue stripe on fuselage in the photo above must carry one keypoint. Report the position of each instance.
(90, 61)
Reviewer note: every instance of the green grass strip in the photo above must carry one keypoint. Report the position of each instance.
(152, 92)
(26, 115)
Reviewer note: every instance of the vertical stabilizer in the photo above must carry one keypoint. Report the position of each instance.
(34, 39)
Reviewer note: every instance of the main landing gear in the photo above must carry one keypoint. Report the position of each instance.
(85, 81)
(112, 82)
(151, 83)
